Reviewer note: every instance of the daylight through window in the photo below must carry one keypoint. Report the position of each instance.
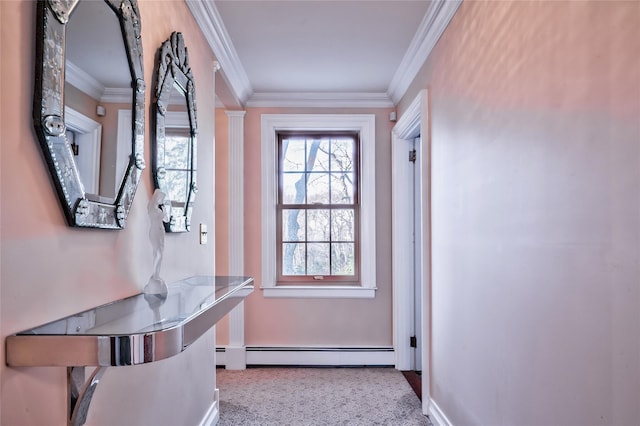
(318, 207)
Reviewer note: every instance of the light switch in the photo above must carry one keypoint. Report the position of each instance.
(203, 233)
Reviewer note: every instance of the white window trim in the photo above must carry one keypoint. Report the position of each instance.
(364, 124)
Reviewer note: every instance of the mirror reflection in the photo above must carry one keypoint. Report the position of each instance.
(175, 142)
(88, 109)
(98, 99)
(178, 155)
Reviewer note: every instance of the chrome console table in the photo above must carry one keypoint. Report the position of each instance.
(135, 330)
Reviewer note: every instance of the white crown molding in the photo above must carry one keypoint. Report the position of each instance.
(78, 78)
(431, 28)
(320, 100)
(84, 82)
(210, 22)
(117, 95)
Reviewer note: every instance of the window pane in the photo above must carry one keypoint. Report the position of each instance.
(293, 155)
(318, 151)
(342, 155)
(342, 258)
(342, 225)
(293, 258)
(318, 259)
(318, 188)
(177, 211)
(318, 209)
(293, 225)
(293, 188)
(176, 151)
(177, 184)
(194, 159)
(318, 225)
(342, 188)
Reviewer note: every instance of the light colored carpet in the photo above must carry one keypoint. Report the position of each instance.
(317, 396)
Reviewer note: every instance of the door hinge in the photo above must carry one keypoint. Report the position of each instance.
(413, 342)
(412, 155)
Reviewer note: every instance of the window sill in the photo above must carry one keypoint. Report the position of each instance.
(319, 292)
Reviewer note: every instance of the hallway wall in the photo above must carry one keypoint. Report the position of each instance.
(312, 322)
(535, 145)
(48, 270)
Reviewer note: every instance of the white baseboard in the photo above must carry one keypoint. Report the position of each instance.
(437, 416)
(221, 356)
(213, 413)
(235, 358)
(314, 356)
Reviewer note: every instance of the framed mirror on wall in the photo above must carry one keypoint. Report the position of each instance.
(89, 106)
(175, 148)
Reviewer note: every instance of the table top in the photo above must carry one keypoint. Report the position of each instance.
(137, 329)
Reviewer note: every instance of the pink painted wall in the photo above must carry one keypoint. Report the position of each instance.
(48, 270)
(535, 139)
(318, 322)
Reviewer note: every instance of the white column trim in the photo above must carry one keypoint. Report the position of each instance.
(236, 192)
(236, 355)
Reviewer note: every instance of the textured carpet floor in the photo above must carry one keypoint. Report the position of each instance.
(317, 396)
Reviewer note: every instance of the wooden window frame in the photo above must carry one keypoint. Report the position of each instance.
(311, 280)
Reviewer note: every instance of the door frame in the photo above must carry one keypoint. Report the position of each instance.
(89, 133)
(415, 121)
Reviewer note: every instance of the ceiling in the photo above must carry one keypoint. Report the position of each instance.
(96, 60)
(321, 46)
(320, 52)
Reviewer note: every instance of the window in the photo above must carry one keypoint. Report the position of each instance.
(308, 185)
(177, 166)
(318, 211)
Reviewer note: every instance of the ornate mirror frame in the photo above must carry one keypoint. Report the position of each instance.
(48, 114)
(174, 72)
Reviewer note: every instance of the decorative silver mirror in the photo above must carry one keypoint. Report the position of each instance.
(89, 106)
(175, 139)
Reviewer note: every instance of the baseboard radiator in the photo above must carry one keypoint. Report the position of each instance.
(314, 356)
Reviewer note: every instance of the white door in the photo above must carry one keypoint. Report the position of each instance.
(407, 252)
(86, 136)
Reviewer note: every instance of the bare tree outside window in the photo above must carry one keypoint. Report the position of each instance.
(177, 167)
(318, 207)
